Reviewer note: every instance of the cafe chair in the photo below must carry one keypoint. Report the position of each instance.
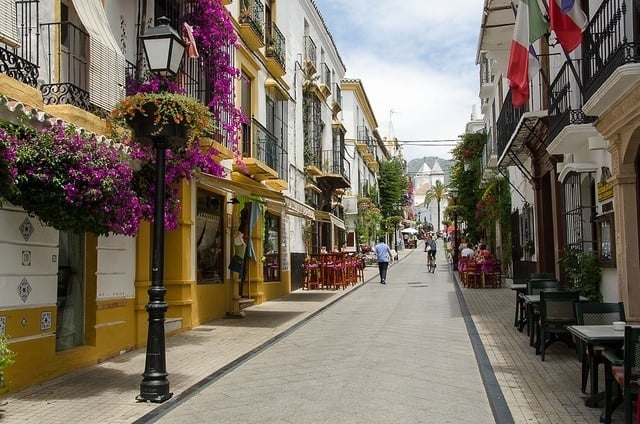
(623, 373)
(557, 311)
(473, 275)
(494, 276)
(531, 312)
(595, 313)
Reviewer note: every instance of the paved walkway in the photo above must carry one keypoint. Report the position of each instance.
(535, 392)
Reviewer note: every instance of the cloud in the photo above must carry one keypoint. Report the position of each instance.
(416, 60)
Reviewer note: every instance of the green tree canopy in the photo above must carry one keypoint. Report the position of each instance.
(436, 192)
(393, 187)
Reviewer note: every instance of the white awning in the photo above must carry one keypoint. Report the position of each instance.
(324, 216)
(299, 209)
(107, 64)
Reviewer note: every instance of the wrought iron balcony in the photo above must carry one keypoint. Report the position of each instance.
(334, 162)
(21, 62)
(565, 106)
(275, 48)
(507, 123)
(67, 66)
(337, 98)
(252, 14)
(310, 54)
(325, 75)
(267, 148)
(609, 44)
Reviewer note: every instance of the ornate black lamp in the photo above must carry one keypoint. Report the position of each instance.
(163, 48)
(453, 192)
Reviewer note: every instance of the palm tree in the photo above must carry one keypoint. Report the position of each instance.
(436, 192)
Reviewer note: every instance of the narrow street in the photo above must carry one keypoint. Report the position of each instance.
(398, 352)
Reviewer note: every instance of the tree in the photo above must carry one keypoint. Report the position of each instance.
(392, 186)
(436, 192)
(465, 175)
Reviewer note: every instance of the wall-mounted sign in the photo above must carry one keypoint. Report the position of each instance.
(605, 191)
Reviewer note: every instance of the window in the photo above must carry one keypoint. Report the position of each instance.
(245, 101)
(209, 238)
(606, 241)
(579, 199)
(271, 263)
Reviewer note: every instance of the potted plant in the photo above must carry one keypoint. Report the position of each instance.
(583, 273)
(6, 357)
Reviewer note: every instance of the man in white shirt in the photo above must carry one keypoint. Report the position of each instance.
(468, 251)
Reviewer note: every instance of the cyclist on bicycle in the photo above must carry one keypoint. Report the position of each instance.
(430, 248)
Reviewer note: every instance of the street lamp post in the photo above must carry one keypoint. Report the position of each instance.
(454, 195)
(164, 49)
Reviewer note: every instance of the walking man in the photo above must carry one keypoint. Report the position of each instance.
(383, 252)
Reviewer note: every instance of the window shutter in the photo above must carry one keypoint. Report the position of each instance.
(106, 75)
(107, 63)
(8, 23)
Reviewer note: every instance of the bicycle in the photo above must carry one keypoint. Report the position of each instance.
(431, 261)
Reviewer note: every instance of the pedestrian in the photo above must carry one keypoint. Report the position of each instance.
(383, 253)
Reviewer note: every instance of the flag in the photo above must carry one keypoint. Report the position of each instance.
(520, 97)
(187, 37)
(567, 21)
(530, 26)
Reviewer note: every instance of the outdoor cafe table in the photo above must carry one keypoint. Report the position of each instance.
(531, 301)
(593, 335)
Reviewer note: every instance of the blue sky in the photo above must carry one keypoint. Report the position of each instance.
(416, 60)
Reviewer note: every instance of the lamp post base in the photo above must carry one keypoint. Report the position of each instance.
(154, 391)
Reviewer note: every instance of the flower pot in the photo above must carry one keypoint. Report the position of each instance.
(146, 130)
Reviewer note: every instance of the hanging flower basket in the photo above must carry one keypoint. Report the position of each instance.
(178, 118)
(146, 126)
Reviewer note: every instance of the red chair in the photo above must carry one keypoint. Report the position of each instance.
(473, 274)
(312, 275)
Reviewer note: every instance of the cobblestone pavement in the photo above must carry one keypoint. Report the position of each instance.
(535, 391)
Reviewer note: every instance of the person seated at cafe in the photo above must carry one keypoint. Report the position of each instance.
(468, 251)
(484, 255)
(323, 249)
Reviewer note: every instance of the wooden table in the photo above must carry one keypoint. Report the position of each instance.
(596, 335)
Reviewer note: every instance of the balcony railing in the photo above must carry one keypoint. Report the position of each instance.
(507, 123)
(268, 149)
(565, 103)
(21, 63)
(310, 52)
(334, 162)
(337, 94)
(325, 75)
(607, 44)
(275, 44)
(252, 13)
(66, 45)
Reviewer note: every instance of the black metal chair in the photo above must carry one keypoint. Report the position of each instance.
(531, 312)
(625, 373)
(557, 311)
(595, 313)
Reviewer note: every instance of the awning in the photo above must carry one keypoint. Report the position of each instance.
(516, 152)
(299, 209)
(324, 216)
(257, 189)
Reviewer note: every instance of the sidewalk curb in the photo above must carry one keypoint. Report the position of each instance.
(497, 401)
